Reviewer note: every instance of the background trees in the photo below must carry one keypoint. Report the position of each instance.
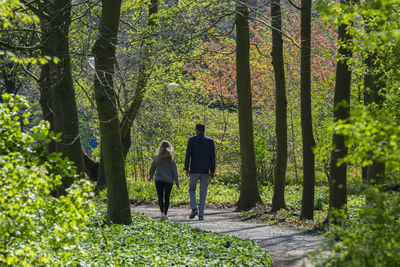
(175, 65)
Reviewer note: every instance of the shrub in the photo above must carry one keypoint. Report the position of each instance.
(35, 228)
(373, 238)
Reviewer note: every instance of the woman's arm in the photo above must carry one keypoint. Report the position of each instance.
(153, 168)
(174, 171)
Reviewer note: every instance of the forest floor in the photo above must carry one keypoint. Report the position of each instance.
(287, 247)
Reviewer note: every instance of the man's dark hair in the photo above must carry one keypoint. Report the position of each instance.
(200, 127)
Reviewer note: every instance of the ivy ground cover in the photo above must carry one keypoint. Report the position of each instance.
(148, 242)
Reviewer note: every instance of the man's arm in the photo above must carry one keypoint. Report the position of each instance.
(212, 158)
(187, 158)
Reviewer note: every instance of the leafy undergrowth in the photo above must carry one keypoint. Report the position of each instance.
(220, 195)
(290, 216)
(371, 238)
(148, 242)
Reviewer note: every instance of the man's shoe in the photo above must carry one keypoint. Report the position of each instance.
(201, 218)
(193, 214)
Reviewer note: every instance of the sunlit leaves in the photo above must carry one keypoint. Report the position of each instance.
(151, 243)
(35, 228)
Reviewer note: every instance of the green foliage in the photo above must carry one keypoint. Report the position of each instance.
(15, 19)
(35, 228)
(152, 243)
(373, 130)
(372, 133)
(369, 236)
(373, 237)
(141, 192)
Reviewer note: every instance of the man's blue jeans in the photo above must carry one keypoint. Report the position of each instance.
(204, 180)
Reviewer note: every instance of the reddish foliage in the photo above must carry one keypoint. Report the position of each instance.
(216, 69)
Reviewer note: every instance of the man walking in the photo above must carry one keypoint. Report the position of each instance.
(199, 165)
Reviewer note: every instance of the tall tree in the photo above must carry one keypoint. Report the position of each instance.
(118, 209)
(307, 205)
(57, 90)
(144, 73)
(341, 101)
(249, 194)
(278, 199)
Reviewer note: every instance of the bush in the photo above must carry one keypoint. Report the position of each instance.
(35, 228)
(373, 239)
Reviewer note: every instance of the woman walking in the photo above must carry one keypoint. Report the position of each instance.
(166, 173)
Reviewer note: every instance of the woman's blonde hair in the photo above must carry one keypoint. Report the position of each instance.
(165, 152)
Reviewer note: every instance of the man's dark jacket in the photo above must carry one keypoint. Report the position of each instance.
(200, 154)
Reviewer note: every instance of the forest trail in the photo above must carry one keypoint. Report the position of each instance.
(285, 246)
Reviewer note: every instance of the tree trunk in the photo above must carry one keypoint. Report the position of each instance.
(373, 95)
(249, 194)
(45, 99)
(338, 174)
(57, 91)
(91, 167)
(376, 172)
(101, 179)
(118, 209)
(143, 76)
(307, 205)
(278, 200)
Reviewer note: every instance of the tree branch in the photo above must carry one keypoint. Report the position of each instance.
(294, 5)
(30, 73)
(21, 48)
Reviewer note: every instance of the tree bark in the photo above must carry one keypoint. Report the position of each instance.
(373, 95)
(143, 76)
(307, 205)
(249, 195)
(57, 89)
(118, 209)
(338, 174)
(278, 200)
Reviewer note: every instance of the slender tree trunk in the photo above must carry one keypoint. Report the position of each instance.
(101, 179)
(57, 91)
(373, 95)
(45, 98)
(278, 200)
(338, 174)
(376, 172)
(118, 209)
(307, 205)
(293, 147)
(368, 87)
(249, 194)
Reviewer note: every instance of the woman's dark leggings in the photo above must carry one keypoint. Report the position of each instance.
(163, 187)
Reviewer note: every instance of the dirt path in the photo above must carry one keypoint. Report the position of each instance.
(286, 247)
